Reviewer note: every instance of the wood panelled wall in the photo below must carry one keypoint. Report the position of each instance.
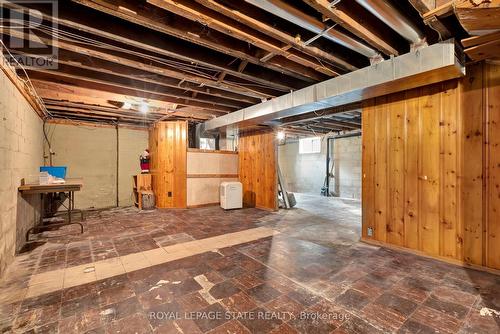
(168, 148)
(257, 169)
(431, 175)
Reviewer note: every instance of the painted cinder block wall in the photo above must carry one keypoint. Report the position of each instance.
(90, 152)
(305, 173)
(21, 154)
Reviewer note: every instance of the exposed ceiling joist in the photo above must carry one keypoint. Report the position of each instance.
(226, 25)
(184, 79)
(294, 15)
(478, 17)
(347, 22)
(96, 80)
(81, 95)
(135, 79)
(269, 30)
(152, 17)
(122, 35)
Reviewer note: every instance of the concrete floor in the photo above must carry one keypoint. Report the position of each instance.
(206, 270)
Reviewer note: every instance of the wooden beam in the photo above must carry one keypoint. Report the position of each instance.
(423, 6)
(98, 124)
(478, 40)
(348, 23)
(154, 113)
(320, 125)
(82, 113)
(319, 114)
(342, 124)
(98, 110)
(478, 16)
(223, 24)
(431, 15)
(185, 80)
(87, 79)
(120, 34)
(81, 95)
(490, 50)
(144, 15)
(242, 65)
(443, 10)
(128, 77)
(269, 30)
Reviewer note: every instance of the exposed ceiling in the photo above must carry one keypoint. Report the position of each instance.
(136, 62)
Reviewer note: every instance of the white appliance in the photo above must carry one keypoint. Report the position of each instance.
(231, 195)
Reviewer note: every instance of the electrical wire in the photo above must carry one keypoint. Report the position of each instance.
(27, 82)
(189, 68)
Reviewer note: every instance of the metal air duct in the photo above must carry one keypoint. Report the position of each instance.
(386, 12)
(293, 15)
(428, 65)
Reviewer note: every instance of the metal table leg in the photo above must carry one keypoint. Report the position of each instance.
(41, 226)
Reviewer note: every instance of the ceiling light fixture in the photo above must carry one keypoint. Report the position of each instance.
(280, 135)
(143, 107)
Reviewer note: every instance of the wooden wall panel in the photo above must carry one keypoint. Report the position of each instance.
(412, 155)
(436, 174)
(472, 165)
(429, 172)
(380, 179)
(368, 167)
(168, 147)
(492, 256)
(395, 157)
(449, 232)
(257, 169)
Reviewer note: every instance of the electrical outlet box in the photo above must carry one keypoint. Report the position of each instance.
(169, 194)
(370, 232)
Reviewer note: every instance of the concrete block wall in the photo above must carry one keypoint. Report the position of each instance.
(90, 152)
(348, 167)
(305, 173)
(21, 154)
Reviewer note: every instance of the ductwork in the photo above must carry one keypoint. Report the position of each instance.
(418, 68)
(386, 12)
(291, 14)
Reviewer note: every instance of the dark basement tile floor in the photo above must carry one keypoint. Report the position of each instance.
(312, 277)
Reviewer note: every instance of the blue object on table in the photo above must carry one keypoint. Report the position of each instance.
(56, 171)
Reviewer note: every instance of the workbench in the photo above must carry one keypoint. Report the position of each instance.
(69, 188)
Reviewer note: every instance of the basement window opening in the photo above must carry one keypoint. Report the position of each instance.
(207, 143)
(310, 145)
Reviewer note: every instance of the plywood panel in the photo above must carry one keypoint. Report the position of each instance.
(168, 145)
(492, 255)
(257, 169)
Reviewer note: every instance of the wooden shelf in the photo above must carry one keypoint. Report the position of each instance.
(141, 184)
